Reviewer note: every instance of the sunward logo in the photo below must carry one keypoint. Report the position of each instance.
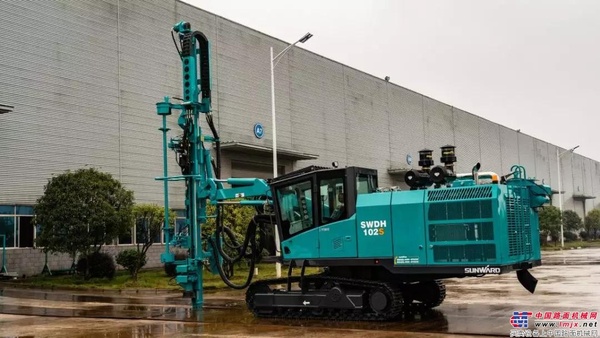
(520, 319)
(482, 269)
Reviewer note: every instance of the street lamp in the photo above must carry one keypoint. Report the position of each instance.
(4, 109)
(274, 62)
(560, 205)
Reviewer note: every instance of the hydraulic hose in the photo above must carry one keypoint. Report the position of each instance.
(250, 238)
(213, 129)
(234, 245)
(219, 219)
(191, 43)
(250, 233)
(249, 242)
(221, 230)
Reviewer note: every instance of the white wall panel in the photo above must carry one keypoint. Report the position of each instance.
(466, 140)
(526, 153)
(595, 168)
(542, 161)
(509, 148)
(317, 107)
(58, 68)
(491, 156)
(85, 93)
(438, 125)
(367, 127)
(407, 135)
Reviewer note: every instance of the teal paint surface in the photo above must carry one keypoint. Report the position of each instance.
(302, 246)
(374, 225)
(338, 239)
(461, 226)
(467, 224)
(409, 243)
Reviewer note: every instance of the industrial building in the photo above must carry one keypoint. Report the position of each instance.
(79, 81)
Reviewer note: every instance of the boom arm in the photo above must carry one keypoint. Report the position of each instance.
(200, 174)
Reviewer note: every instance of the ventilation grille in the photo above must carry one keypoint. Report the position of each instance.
(461, 232)
(519, 227)
(337, 243)
(464, 253)
(460, 210)
(478, 192)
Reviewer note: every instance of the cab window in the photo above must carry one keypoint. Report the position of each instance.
(295, 203)
(331, 194)
(365, 184)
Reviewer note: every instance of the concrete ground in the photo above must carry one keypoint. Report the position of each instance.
(568, 281)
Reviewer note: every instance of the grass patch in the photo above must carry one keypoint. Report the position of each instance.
(148, 279)
(572, 245)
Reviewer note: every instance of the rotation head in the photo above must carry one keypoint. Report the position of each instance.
(182, 27)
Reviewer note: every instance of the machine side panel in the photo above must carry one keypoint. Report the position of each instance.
(338, 239)
(536, 249)
(460, 225)
(374, 225)
(502, 230)
(409, 228)
(522, 226)
(302, 246)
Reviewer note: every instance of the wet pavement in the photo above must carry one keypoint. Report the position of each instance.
(568, 281)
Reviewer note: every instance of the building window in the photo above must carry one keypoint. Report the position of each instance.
(26, 231)
(126, 238)
(7, 209)
(16, 224)
(7, 228)
(143, 233)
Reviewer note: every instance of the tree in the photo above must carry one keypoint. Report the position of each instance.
(149, 220)
(592, 223)
(82, 210)
(550, 222)
(236, 217)
(571, 221)
(132, 260)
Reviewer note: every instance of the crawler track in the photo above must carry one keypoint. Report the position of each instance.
(379, 301)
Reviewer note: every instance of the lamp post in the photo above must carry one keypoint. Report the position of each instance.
(560, 204)
(5, 109)
(274, 62)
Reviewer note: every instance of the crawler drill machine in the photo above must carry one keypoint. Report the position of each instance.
(380, 251)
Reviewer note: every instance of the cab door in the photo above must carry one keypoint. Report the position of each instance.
(300, 239)
(337, 229)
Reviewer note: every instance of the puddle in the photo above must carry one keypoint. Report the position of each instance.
(568, 281)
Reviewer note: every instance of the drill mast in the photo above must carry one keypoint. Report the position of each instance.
(200, 173)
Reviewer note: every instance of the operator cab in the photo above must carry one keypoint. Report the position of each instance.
(315, 196)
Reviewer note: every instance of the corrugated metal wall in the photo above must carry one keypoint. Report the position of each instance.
(59, 69)
(407, 133)
(84, 77)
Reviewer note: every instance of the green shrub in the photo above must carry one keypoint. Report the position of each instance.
(584, 235)
(100, 265)
(132, 260)
(569, 236)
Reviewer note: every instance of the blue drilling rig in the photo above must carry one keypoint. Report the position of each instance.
(381, 251)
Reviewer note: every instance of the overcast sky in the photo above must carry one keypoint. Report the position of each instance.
(528, 65)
